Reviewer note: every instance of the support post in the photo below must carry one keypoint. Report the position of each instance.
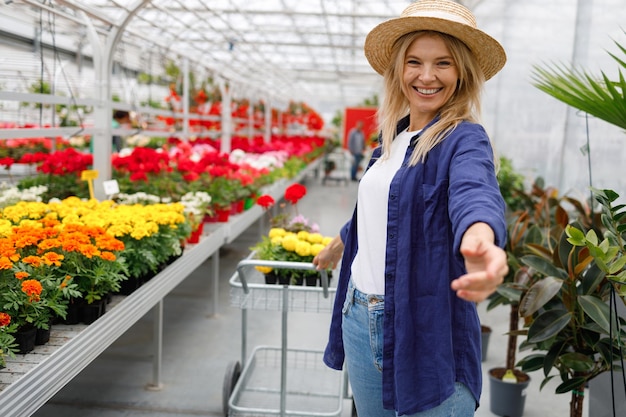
(157, 341)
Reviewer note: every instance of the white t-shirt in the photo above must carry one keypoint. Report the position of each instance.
(368, 267)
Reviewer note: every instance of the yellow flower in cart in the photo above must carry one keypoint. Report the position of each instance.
(277, 232)
(315, 238)
(326, 240)
(316, 248)
(276, 240)
(263, 269)
(289, 242)
(303, 248)
(303, 235)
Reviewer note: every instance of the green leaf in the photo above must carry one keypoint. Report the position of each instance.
(532, 362)
(590, 280)
(596, 309)
(576, 237)
(511, 294)
(548, 325)
(577, 362)
(545, 382)
(570, 385)
(544, 266)
(539, 294)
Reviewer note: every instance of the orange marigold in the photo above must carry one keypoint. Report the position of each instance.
(89, 251)
(52, 258)
(35, 261)
(108, 256)
(32, 288)
(22, 275)
(5, 319)
(5, 263)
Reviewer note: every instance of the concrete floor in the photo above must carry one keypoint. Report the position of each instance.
(199, 346)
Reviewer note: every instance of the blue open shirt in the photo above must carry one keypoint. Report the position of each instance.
(431, 337)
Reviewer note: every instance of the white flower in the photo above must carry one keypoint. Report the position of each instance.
(10, 195)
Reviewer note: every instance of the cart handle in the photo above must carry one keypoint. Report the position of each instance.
(279, 265)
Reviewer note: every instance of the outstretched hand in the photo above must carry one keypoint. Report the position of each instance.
(486, 266)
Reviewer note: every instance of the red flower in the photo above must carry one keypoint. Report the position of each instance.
(265, 201)
(295, 192)
(5, 319)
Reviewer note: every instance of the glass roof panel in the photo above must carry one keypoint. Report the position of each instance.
(289, 49)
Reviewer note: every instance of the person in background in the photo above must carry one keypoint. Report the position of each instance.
(120, 117)
(356, 146)
(424, 244)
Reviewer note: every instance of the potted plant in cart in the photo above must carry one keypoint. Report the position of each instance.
(290, 239)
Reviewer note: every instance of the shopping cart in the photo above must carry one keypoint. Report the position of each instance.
(337, 164)
(281, 381)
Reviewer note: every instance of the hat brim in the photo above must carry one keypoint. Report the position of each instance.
(379, 42)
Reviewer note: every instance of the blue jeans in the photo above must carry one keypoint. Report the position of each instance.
(358, 157)
(363, 328)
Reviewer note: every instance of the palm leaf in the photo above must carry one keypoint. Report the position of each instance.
(600, 97)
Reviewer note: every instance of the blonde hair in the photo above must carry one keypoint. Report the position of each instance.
(463, 105)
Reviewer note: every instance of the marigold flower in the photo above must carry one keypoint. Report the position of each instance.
(32, 288)
(303, 248)
(263, 269)
(52, 258)
(22, 275)
(5, 319)
(276, 232)
(35, 261)
(326, 240)
(289, 242)
(303, 235)
(5, 263)
(316, 248)
(107, 256)
(315, 238)
(277, 240)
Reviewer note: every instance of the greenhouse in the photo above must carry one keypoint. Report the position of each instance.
(174, 172)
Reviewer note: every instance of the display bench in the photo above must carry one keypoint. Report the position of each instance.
(29, 381)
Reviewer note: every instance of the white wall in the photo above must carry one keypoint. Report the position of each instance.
(541, 135)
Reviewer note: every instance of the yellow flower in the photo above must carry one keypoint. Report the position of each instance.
(6, 228)
(326, 240)
(303, 235)
(263, 269)
(277, 231)
(289, 242)
(315, 238)
(277, 240)
(316, 248)
(303, 248)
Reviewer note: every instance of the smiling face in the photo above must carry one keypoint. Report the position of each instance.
(429, 78)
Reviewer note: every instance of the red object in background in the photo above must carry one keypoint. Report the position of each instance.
(352, 115)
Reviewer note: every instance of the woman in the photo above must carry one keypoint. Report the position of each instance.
(415, 263)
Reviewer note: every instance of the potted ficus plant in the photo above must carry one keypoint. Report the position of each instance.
(567, 312)
(605, 99)
(533, 211)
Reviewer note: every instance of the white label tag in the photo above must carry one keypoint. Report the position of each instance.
(111, 187)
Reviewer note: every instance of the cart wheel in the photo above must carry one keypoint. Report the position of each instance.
(354, 414)
(233, 371)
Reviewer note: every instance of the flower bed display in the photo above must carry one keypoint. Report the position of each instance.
(62, 254)
(54, 255)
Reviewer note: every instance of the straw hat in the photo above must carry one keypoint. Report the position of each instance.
(442, 16)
